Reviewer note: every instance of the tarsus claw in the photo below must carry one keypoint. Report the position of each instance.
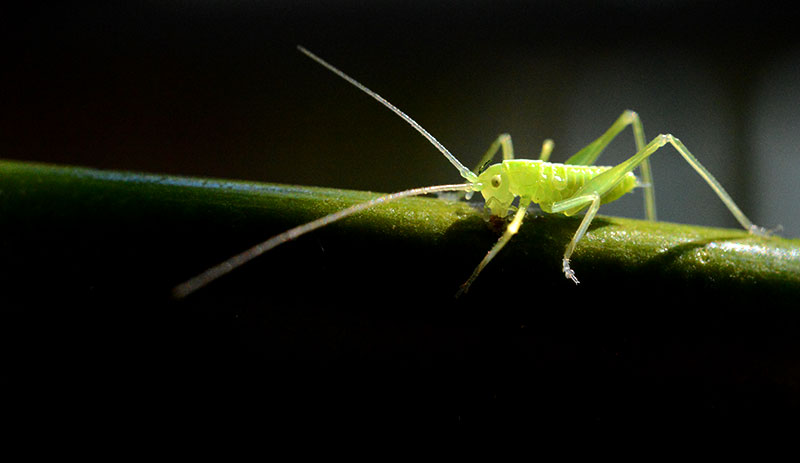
(568, 272)
(763, 232)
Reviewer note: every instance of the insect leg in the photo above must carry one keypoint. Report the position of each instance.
(662, 140)
(593, 190)
(503, 142)
(715, 185)
(608, 179)
(589, 154)
(593, 200)
(511, 230)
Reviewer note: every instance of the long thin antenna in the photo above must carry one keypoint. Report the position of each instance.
(466, 173)
(192, 285)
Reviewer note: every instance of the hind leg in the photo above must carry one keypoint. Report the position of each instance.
(589, 154)
(591, 193)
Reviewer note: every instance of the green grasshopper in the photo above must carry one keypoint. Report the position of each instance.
(566, 188)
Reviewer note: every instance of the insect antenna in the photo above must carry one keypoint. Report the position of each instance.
(193, 284)
(466, 173)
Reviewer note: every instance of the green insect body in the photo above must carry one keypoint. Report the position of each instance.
(544, 182)
(576, 185)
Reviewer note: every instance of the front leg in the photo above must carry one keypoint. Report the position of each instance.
(511, 230)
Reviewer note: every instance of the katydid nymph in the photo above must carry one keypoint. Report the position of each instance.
(568, 188)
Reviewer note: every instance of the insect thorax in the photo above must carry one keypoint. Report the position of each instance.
(544, 182)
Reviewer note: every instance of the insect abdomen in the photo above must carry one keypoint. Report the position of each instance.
(548, 182)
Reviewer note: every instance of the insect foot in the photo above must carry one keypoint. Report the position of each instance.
(568, 272)
(764, 232)
(462, 290)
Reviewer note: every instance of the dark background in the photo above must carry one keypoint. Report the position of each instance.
(218, 89)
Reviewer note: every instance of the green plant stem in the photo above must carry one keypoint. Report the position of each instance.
(201, 218)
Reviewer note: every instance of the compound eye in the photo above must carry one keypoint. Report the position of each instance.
(496, 181)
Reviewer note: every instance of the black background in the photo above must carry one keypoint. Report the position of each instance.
(218, 89)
